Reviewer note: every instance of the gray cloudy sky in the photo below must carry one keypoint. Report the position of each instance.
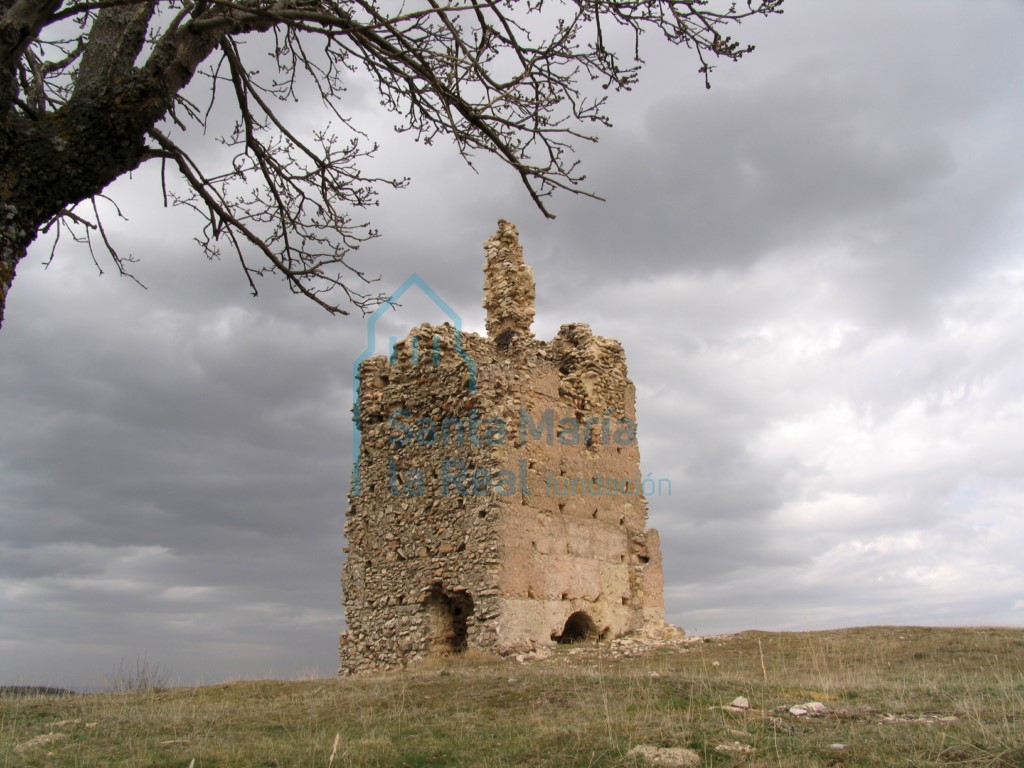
(816, 269)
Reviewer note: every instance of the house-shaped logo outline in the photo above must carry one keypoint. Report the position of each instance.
(371, 328)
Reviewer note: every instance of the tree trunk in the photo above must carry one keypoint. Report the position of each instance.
(15, 236)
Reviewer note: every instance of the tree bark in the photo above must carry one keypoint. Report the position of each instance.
(15, 236)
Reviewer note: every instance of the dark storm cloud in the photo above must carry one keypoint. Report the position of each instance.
(173, 461)
(898, 157)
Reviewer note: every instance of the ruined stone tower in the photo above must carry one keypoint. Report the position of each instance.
(498, 499)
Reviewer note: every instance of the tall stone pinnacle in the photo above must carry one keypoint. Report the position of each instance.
(509, 289)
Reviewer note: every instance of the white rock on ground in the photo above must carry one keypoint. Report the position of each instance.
(735, 748)
(670, 757)
(39, 741)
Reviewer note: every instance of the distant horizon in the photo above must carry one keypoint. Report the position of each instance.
(172, 681)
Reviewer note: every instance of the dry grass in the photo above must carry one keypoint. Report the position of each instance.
(895, 697)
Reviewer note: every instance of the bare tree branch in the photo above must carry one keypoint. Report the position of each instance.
(92, 89)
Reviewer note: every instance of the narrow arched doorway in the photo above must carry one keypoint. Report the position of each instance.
(447, 619)
(579, 627)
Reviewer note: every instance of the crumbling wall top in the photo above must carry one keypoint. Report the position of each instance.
(509, 289)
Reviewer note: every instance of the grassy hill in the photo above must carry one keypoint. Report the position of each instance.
(888, 696)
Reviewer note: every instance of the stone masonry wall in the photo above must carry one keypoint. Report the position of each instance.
(499, 503)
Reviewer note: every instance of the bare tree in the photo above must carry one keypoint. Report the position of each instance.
(90, 90)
